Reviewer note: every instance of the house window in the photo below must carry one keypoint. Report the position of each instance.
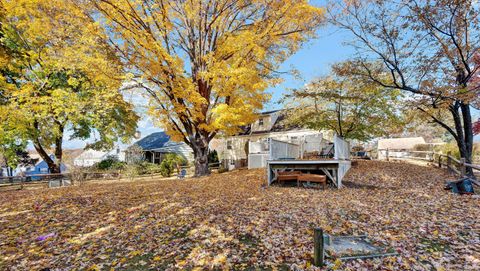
(44, 170)
(260, 122)
(229, 145)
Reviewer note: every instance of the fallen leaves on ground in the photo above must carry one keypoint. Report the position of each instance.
(231, 221)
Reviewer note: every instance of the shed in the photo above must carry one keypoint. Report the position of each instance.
(397, 146)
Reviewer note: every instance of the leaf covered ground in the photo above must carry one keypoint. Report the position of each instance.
(230, 222)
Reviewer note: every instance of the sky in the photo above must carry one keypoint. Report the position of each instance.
(312, 60)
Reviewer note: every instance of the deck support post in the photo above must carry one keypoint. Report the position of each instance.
(318, 247)
(387, 153)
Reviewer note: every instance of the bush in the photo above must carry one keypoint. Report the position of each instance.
(170, 163)
(423, 147)
(212, 157)
(110, 163)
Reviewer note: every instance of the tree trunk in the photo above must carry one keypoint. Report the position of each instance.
(464, 133)
(59, 149)
(52, 166)
(200, 152)
(468, 134)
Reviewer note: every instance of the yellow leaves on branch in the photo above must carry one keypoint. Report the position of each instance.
(65, 72)
(206, 64)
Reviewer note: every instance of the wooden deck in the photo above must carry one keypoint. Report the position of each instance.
(334, 169)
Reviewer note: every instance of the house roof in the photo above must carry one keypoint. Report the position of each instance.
(270, 112)
(405, 143)
(153, 141)
(278, 126)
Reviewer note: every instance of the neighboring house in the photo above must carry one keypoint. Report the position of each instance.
(397, 147)
(156, 145)
(253, 139)
(69, 156)
(90, 157)
(40, 167)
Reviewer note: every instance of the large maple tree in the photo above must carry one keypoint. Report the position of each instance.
(205, 64)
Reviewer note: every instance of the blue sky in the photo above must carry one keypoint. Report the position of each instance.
(313, 60)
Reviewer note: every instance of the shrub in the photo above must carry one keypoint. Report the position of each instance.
(131, 171)
(110, 163)
(77, 175)
(448, 148)
(170, 163)
(423, 147)
(212, 157)
(150, 168)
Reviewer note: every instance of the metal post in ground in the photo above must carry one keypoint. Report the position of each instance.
(318, 247)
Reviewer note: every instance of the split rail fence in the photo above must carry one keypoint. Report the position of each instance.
(452, 164)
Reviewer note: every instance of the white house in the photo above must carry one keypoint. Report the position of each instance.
(90, 157)
(253, 141)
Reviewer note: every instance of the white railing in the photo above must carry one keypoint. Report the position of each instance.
(283, 150)
(342, 148)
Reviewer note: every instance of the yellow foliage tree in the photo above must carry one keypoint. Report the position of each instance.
(58, 73)
(205, 64)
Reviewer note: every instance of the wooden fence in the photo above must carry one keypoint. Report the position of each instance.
(452, 164)
(39, 179)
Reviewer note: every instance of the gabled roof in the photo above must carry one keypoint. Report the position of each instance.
(153, 141)
(278, 126)
(404, 143)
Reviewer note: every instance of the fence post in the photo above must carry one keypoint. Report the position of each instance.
(449, 161)
(318, 249)
(439, 161)
(387, 155)
(463, 168)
